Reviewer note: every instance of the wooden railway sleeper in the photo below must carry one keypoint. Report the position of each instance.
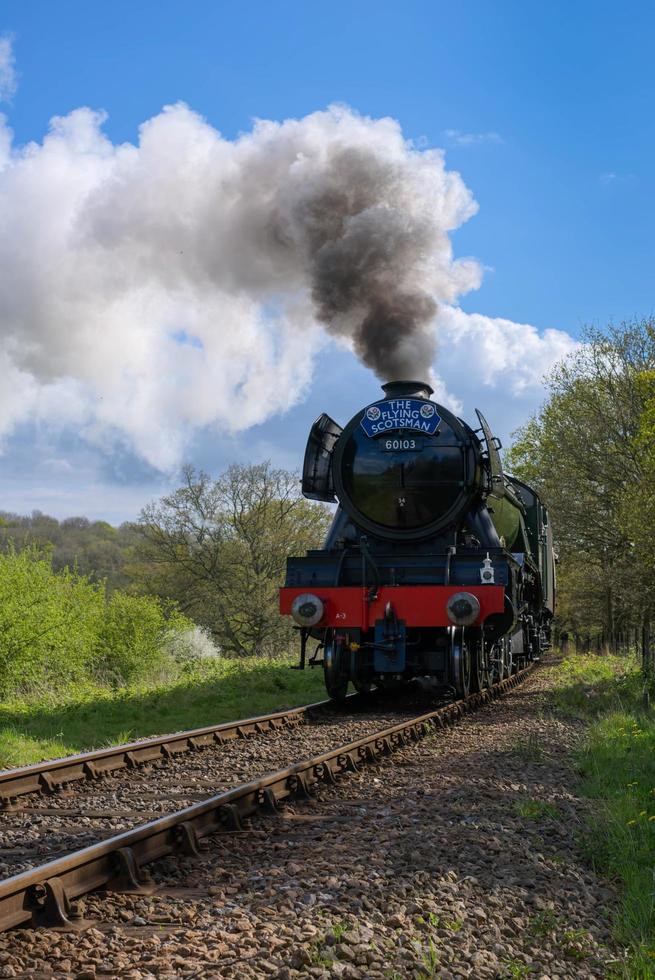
(47, 901)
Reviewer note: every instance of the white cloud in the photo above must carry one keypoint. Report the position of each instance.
(150, 291)
(497, 365)
(7, 69)
(615, 178)
(457, 138)
(494, 352)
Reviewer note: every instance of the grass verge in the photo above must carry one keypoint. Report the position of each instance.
(91, 717)
(618, 766)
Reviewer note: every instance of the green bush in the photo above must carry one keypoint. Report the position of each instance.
(57, 629)
(48, 622)
(131, 637)
(617, 761)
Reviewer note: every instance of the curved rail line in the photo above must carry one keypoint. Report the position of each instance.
(54, 775)
(44, 896)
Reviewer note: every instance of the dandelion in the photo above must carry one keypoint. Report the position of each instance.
(652, 818)
(631, 822)
(642, 813)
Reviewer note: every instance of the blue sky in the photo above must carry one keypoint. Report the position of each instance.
(544, 109)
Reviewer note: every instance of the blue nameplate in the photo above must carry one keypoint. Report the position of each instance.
(400, 413)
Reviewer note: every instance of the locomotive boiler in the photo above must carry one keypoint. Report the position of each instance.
(437, 563)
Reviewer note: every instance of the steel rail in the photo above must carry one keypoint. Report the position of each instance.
(43, 896)
(53, 775)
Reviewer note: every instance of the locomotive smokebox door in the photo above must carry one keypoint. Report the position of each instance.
(317, 483)
(495, 465)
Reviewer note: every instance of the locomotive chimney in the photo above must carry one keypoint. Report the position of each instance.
(407, 389)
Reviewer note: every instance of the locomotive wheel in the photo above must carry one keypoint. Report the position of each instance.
(488, 673)
(498, 660)
(479, 673)
(336, 678)
(502, 655)
(508, 658)
(460, 662)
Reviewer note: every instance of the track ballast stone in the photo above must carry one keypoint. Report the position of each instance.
(453, 858)
(47, 827)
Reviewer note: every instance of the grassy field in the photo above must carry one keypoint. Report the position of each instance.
(618, 766)
(47, 727)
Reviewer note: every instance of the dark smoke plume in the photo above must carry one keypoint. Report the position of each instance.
(153, 289)
(378, 252)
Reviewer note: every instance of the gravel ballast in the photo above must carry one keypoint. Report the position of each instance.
(453, 858)
(47, 827)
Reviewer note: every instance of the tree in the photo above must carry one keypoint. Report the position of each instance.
(589, 452)
(219, 548)
(95, 549)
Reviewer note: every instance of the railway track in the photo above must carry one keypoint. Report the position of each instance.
(56, 775)
(38, 828)
(45, 895)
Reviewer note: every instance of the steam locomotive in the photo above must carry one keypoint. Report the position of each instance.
(437, 564)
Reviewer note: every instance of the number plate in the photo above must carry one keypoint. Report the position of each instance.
(401, 444)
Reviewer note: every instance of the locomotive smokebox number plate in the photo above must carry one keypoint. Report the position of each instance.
(400, 413)
(400, 444)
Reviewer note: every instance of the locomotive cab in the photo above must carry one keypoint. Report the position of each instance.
(429, 568)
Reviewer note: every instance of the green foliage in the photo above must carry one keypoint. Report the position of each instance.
(219, 549)
(430, 960)
(589, 686)
(514, 970)
(58, 630)
(131, 635)
(618, 766)
(94, 548)
(590, 452)
(544, 923)
(537, 810)
(92, 715)
(48, 622)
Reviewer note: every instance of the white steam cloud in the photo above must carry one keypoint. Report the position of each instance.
(149, 290)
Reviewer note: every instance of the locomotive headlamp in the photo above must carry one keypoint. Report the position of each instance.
(307, 609)
(463, 609)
